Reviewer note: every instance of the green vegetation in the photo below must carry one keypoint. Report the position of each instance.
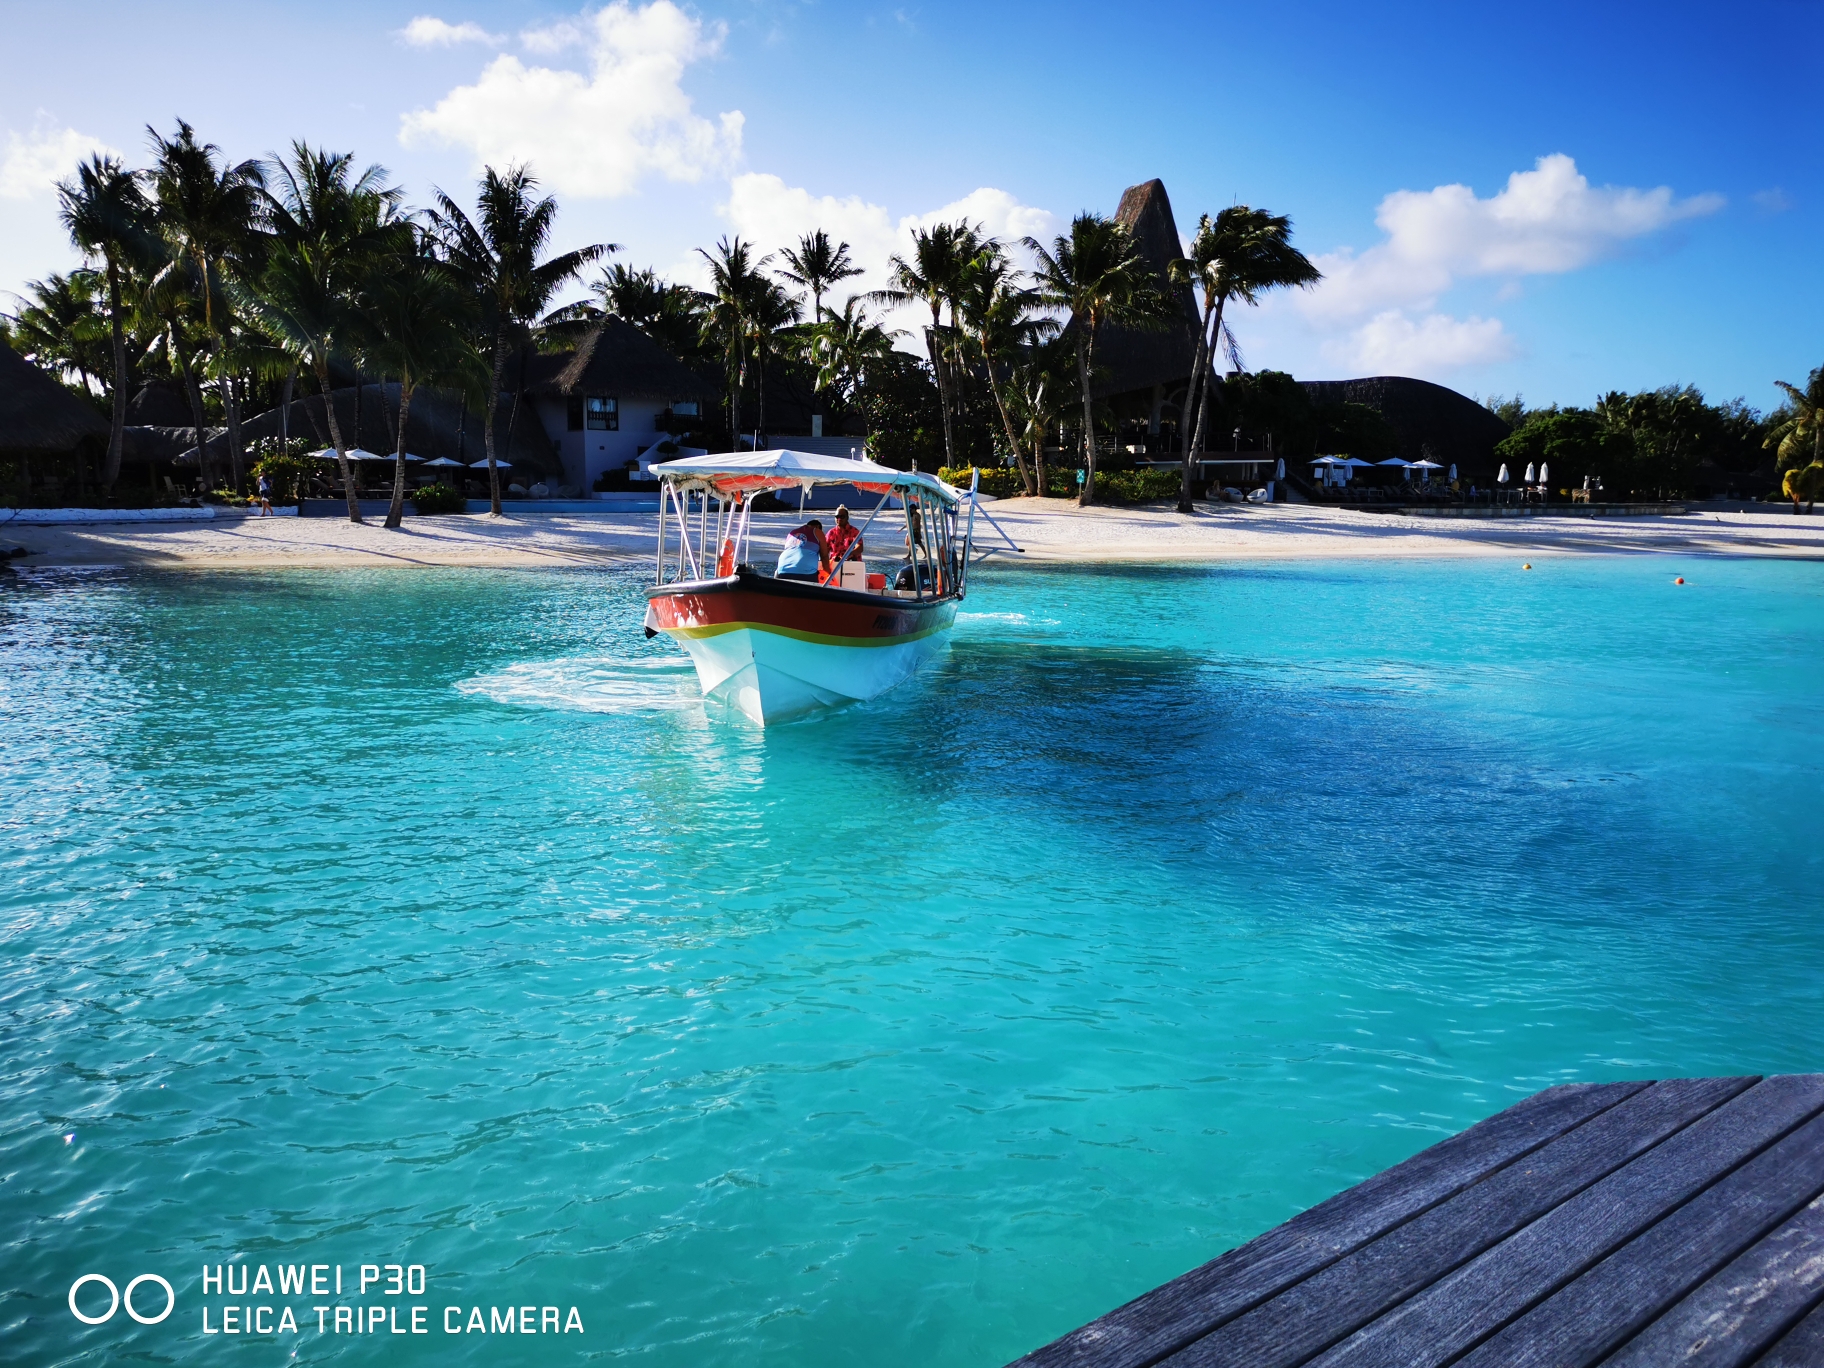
(1646, 446)
(438, 498)
(232, 284)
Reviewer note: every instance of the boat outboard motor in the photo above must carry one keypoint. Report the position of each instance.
(908, 579)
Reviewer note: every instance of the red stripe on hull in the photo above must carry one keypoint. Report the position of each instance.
(798, 608)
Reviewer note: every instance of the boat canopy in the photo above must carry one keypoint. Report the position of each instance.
(751, 472)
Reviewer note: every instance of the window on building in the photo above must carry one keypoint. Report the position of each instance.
(604, 414)
(573, 413)
(684, 408)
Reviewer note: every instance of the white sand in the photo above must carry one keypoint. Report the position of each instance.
(1048, 529)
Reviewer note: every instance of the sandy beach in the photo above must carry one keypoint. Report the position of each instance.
(1049, 530)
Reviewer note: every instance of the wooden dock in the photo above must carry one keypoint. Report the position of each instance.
(1626, 1224)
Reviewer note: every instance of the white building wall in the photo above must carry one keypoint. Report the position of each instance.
(588, 453)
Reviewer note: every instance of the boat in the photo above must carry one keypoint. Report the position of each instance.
(781, 648)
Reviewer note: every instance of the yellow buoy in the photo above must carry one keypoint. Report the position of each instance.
(1527, 566)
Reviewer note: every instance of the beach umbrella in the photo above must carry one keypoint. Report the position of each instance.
(327, 454)
(1395, 461)
(1502, 477)
(1453, 472)
(1425, 465)
(498, 462)
(1279, 468)
(443, 461)
(1324, 460)
(1530, 476)
(1543, 477)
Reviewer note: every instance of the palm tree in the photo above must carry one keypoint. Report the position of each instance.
(1038, 392)
(497, 256)
(736, 283)
(1800, 424)
(1239, 254)
(1100, 276)
(931, 276)
(328, 225)
(997, 314)
(206, 213)
(846, 347)
(818, 267)
(106, 214)
(414, 324)
(772, 313)
(61, 329)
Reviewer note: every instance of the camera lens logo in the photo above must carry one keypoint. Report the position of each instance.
(117, 1299)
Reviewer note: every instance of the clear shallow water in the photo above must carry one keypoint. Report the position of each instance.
(426, 918)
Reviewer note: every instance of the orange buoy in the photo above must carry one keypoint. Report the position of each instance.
(1679, 580)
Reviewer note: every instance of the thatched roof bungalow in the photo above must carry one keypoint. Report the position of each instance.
(39, 417)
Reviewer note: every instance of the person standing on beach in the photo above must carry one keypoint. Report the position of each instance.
(266, 496)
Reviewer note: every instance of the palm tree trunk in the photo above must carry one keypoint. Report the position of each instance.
(231, 407)
(1190, 402)
(760, 423)
(396, 514)
(335, 439)
(1019, 455)
(1088, 493)
(117, 420)
(935, 348)
(195, 394)
(487, 428)
(1209, 357)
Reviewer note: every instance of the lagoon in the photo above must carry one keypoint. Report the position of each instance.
(425, 917)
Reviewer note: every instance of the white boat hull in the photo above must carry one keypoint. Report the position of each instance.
(774, 677)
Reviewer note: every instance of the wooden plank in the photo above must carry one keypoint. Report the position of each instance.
(1616, 1300)
(1316, 1313)
(1800, 1347)
(1460, 1310)
(1169, 1317)
(1729, 1320)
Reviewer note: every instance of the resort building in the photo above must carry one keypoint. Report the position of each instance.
(607, 404)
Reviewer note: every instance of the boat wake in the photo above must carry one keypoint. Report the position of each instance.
(594, 684)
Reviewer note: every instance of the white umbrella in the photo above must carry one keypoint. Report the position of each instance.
(483, 465)
(327, 454)
(442, 461)
(1543, 477)
(1279, 468)
(1530, 476)
(1395, 461)
(1453, 472)
(1502, 477)
(1325, 460)
(1355, 463)
(359, 455)
(1425, 465)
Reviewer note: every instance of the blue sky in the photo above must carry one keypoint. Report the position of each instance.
(1554, 200)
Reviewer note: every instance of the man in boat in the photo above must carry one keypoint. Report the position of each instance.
(806, 553)
(843, 536)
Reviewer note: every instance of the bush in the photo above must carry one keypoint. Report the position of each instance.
(1003, 482)
(1137, 486)
(439, 498)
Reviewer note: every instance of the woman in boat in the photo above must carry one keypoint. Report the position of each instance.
(806, 553)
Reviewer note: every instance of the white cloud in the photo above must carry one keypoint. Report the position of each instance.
(429, 31)
(1545, 222)
(595, 135)
(33, 163)
(1391, 343)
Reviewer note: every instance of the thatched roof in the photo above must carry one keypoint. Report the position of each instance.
(39, 414)
(1133, 359)
(1453, 427)
(439, 425)
(615, 358)
(160, 403)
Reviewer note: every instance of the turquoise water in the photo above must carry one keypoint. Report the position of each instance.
(425, 918)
